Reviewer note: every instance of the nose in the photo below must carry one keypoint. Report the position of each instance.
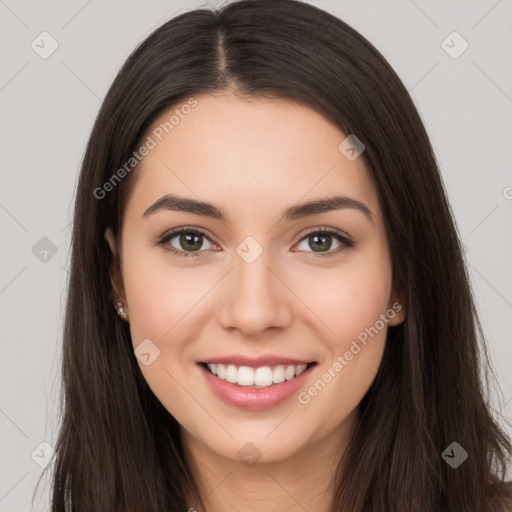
(254, 298)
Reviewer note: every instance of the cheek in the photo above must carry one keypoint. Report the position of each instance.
(161, 309)
(350, 297)
(161, 298)
(164, 305)
(355, 307)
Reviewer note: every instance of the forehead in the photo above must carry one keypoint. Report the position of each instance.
(250, 153)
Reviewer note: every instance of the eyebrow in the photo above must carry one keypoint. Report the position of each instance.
(205, 209)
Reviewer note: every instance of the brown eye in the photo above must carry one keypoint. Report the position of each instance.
(190, 242)
(321, 243)
(184, 242)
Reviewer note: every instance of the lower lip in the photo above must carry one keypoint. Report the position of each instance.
(255, 399)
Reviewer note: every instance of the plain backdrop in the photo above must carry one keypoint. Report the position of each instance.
(48, 105)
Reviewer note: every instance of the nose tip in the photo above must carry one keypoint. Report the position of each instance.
(254, 299)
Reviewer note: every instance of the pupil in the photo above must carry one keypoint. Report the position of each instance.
(315, 245)
(186, 239)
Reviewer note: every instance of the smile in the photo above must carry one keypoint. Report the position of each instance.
(255, 388)
(262, 377)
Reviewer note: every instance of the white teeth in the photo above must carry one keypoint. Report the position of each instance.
(260, 377)
(263, 377)
(221, 371)
(278, 374)
(245, 376)
(231, 373)
(289, 373)
(301, 368)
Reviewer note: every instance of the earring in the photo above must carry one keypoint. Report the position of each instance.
(119, 305)
(120, 311)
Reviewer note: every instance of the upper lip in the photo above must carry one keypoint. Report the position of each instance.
(255, 362)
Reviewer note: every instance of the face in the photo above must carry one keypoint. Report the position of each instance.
(313, 286)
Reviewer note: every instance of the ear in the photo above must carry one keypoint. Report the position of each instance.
(396, 307)
(117, 286)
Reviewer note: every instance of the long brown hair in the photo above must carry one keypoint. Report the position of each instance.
(119, 449)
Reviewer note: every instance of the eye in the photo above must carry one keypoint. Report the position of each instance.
(321, 240)
(188, 242)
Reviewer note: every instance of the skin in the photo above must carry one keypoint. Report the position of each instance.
(255, 157)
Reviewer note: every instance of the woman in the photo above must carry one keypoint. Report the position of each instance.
(268, 306)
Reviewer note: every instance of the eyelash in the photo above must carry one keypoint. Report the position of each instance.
(345, 241)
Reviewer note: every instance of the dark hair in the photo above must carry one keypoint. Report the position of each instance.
(118, 447)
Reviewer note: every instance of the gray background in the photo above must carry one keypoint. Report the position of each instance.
(47, 109)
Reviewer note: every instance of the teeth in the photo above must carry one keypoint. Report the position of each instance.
(245, 376)
(263, 377)
(231, 373)
(301, 368)
(278, 375)
(221, 371)
(256, 377)
(289, 373)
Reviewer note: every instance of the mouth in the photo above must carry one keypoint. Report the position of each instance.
(256, 387)
(256, 377)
